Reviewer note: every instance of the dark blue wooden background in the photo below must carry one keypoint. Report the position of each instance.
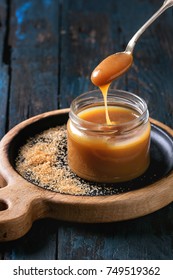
(48, 49)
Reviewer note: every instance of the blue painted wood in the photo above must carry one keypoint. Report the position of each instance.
(86, 39)
(34, 39)
(153, 65)
(54, 47)
(4, 78)
(145, 238)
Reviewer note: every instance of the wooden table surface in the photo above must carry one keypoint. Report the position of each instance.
(48, 49)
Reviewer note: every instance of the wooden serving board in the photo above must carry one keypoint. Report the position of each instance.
(21, 202)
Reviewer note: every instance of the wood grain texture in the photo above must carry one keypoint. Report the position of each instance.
(34, 39)
(84, 33)
(4, 80)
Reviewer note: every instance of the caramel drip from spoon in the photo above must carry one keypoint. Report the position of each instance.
(104, 90)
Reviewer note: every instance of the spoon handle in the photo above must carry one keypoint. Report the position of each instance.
(167, 4)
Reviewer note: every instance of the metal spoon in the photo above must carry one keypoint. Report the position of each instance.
(167, 4)
(117, 64)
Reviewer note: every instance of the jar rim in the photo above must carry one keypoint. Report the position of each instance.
(116, 95)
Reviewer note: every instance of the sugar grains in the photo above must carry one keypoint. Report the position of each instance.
(43, 162)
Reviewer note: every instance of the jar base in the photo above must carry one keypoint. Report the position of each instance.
(108, 180)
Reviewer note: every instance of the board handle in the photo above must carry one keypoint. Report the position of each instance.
(19, 208)
(3, 183)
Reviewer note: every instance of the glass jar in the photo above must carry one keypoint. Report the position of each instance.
(105, 153)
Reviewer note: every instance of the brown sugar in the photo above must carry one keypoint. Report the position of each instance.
(43, 162)
(39, 162)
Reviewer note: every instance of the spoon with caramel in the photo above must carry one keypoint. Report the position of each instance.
(117, 64)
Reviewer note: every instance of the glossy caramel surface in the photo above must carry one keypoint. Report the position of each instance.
(111, 68)
(108, 157)
(118, 115)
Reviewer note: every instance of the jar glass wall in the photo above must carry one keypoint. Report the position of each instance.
(108, 153)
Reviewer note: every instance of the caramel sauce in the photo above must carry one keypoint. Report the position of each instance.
(111, 156)
(111, 68)
(104, 90)
(118, 115)
(108, 70)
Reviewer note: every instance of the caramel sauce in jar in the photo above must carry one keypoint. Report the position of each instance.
(114, 152)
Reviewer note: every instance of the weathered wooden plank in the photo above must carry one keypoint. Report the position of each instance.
(3, 98)
(34, 58)
(4, 78)
(39, 243)
(153, 63)
(86, 38)
(142, 238)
